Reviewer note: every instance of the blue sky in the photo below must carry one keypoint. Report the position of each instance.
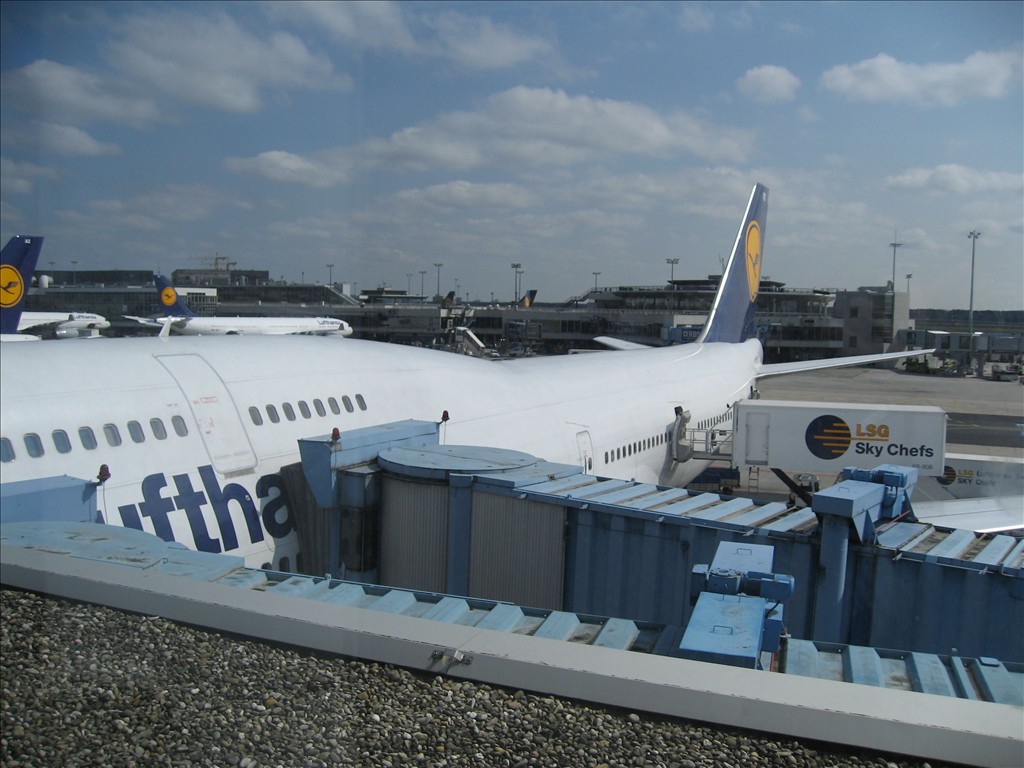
(572, 138)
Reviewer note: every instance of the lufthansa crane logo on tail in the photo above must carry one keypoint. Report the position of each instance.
(828, 437)
(12, 286)
(753, 248)
(168, 296)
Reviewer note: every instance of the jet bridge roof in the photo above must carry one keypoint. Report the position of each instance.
(968, 710)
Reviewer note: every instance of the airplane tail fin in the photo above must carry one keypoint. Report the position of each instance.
(17, 264)
(732, 315)
(170, 301)
(528, 299)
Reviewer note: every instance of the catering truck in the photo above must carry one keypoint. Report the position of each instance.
(831, 436)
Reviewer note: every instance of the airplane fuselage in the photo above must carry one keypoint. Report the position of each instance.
(249, 326)
(195, 431)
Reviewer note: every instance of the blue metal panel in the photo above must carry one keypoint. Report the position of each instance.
(725, 629)
(617, 633)
(395, 601)
(952, 547)
(796, 520)
(684, 506)
(1013, 564)
(996, 682)
(897, 535)
(861, 665)
(347, 594)
(66, 499)
(723, 509)
(929, 675)
(565, 485)
(559, 626)
(299, 586)
(628, 495)
(801, 658)
(760, 514)
(597, 491)
(504, 618)
(743, 557)
(995, 550)
(654, 501)
(452, 610)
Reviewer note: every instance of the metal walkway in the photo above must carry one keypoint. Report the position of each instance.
(974, 718)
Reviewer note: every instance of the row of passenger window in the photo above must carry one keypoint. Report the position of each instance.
(35, 447)
(631, 448)
(318, 405)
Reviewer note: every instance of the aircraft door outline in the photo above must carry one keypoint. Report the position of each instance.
(214, 412)
(586, 446)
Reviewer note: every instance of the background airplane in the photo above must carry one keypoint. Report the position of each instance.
(196, 431)
(179, 319)
(18, 262)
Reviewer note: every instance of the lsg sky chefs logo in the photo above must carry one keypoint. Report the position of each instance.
(829, 437)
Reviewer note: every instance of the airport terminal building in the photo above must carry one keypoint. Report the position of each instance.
(793, 323)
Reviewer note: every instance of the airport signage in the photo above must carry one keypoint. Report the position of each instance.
(831, 436)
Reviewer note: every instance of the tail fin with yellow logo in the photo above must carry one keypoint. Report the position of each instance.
(732, 315)
(17, 264)
(171, 303)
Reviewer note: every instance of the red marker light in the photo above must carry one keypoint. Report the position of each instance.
(444, 417)
(104, 474)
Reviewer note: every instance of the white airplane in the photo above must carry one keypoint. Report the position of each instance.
(63, 325)
(182, 320)
(18, 263)
(195, 431)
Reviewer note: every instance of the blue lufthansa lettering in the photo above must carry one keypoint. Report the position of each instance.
(156, 507)
(219, 499)
(130, 517)
(276, 528)
(191, 501)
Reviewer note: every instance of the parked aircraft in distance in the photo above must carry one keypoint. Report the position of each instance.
(18, 263)
(195, 432)
(179, 319)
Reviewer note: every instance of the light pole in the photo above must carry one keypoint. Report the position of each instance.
(595, 279)
(672, 268)
(894, 245)
(423, 275)
(973, 235)
(438, 265)
(330, 274)
(516, 266)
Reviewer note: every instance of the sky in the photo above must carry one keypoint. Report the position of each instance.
(571, 138)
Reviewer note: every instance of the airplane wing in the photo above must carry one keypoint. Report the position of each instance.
(800, 366)
(613, 343)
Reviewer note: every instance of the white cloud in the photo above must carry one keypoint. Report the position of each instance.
(156, 207)
(521, 128)
(987, 74)
(957, 179)
(61, 94)
(769, 84)
(20, 178)
(68, 140)
(479, 43)
(374, 25)
(695, 17)
(212, 61)
(285, 166)
(465, 194)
